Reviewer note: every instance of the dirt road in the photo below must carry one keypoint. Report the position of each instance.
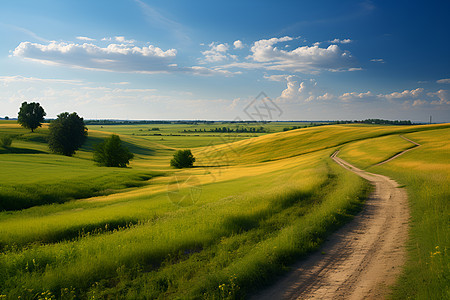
(360, 260)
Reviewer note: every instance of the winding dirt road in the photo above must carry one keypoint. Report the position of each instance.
(360, 260)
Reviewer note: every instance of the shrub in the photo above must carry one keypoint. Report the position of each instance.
(5, 141)
(182, 159)
(111, 153)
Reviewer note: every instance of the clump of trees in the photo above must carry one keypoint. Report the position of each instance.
(228, 130)
(378, 122)
(67, 133)
(182, 159)
(31, 115)
(111, 153)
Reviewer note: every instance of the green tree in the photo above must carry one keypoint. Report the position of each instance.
(182, 159)
(31, 115)
(111, 153)
(67, 133)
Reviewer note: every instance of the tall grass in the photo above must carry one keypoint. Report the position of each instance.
(168, 238)
(425, 173)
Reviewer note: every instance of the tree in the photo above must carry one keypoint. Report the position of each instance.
(182, 159)
(31, 115)
(67, 133)
(111, 153)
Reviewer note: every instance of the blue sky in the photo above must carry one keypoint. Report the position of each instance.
(140, 59)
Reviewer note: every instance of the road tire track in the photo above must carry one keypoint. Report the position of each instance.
(363, 258)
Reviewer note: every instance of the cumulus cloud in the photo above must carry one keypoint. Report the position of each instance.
(119, 39)
(238, 44)
(114, 57)
(339, 41)
(405, 94)
(443, 95)
(307, 59)
(298, 91)
(217, 52)
(379, 60)
(325, 97)
(445, 80)
(350, 96)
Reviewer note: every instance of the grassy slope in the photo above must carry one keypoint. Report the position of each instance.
(31, 176)
(425, 171)
(296, 142)
(247, 222)
(259, 206)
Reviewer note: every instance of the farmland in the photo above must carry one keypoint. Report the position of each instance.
(253, 204)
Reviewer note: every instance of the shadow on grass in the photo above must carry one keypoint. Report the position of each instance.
(14, 150)
(91, 142)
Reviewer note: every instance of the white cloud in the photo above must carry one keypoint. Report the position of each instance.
(84, 38)
(217, 52)
(339, 41)
(238, 44)
(18, 78)
(419, 102)
(443, 95)
(405, 94)
(445, 80)
(298, 91)
(234, 103)
(379, 60)
(114, 57)
(347, 97)
(121, 39)
(302, 59)
(326, 97)
(276, 77)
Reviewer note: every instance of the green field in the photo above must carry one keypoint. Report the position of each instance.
(252, 205)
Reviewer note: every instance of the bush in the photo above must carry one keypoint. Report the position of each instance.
(5, 141)
(182, 159)
(111, 153)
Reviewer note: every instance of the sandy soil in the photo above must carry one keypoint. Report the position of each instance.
(360, 260)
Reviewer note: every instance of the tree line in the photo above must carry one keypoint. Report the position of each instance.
(68, 132)
(378, 122)
(228, 130)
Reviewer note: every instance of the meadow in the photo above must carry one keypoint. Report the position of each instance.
(252, 205)
(425, 173)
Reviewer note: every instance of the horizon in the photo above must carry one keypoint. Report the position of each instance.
(142, 60)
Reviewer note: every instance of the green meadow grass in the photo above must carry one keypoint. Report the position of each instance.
(366, 153)
(298, 142)
(258, 208)
(425, 173)
(31, 176)
(246, 214)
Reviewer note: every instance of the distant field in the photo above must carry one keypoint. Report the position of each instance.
(221, 230)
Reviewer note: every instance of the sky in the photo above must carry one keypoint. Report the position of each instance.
(227, 60)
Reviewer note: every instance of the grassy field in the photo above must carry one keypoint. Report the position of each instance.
(221, 230)
(425, 172)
